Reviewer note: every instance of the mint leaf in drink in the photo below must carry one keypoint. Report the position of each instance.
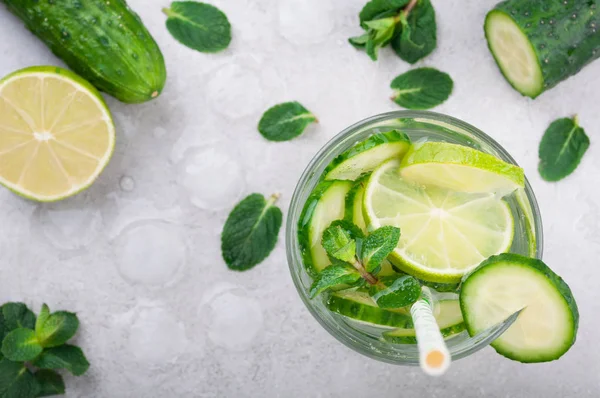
(377, 246)
(374, 8)
(50, 382)
(339, 244)
(16, 381)
(334, 276)
(418, 37)
(21, 345)
(17, 315)
(57, 328)
(421, 88)
(250, 232)
(563, 145)
(66, 356)
(359, 41)
(395, 291)
(380, 33)
(199, 26)
(285, 121)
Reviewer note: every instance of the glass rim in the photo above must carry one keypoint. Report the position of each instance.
(375, 349)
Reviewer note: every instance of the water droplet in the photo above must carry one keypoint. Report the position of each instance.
(151, 253)
(127, 183)
(233, 318)
(213, 178)
(552, 21)
(573, 16)
(156, 337)
(306, 21)
(70, 228)
(546, 60)
(542, 22)
(542, 46)
(528, 25)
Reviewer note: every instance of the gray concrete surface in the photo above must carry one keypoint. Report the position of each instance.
(137, 255)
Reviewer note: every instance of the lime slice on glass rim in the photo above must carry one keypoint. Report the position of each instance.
(445, 233)
(460, 168)
(56, 133)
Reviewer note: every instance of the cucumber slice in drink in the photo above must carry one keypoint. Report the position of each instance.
(359, 306)
(504, 284)
(445, 234)
(449, 319)
(538, 44)
(325, 204)
(365, 156)
(461, 169)
(354, 199)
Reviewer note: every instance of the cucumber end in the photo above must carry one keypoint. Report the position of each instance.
(514, 54)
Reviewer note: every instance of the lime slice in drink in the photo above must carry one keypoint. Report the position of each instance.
(460, 168)
(444, 233)
(56, 133)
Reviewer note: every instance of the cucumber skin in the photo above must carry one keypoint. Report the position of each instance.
(370, 142)
(103, 41)
(559, 55)
(448, 332)
(542, 268)
(377, 315)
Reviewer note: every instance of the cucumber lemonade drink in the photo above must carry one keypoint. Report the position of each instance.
(409, 202)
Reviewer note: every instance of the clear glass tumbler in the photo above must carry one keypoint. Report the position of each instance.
(419, 125)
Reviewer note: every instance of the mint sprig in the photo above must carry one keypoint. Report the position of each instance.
(356, 258)
(33, 349)
(408, 24)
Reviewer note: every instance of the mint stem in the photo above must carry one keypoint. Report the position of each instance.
(273, 199)
(366, 276)
(409, 7)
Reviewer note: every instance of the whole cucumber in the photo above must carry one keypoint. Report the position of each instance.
(102, 40)
(539, 43)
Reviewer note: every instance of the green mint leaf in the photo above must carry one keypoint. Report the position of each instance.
(42, 318)
(17, 315)
(50, 382)
(378, 245)
(66, 356)
(359, 41)
(338, 243)
(421, 88)
(250, 232)
(381, 32)
(57, 328)
(396, 291)
(418, 37)
(199, 26)
(374, 8)
(16, 381)
(563, 145)
(21, 345)
(334, 276)
(285, 121)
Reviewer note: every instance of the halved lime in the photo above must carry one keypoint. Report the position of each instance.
(56, 133)
(444, 233)
(460, 168)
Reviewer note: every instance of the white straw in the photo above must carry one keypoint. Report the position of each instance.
(434, 356)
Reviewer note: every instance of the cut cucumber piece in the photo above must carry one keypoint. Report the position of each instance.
(449, 319)
(538, 44)
(504, 284)
(461, 169)
(325, 204)
(445, 234)
(359, 306)
(365, 156)
(354, 200)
